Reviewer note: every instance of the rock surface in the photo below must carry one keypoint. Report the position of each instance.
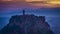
(27, 24)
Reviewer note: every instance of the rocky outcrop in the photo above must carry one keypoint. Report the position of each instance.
(27, 24)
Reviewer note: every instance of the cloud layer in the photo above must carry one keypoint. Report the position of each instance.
(32, 3)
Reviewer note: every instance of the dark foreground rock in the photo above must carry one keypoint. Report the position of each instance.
(27, 24)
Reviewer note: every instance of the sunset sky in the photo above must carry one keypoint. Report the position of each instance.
(48, 8)
(32, 3)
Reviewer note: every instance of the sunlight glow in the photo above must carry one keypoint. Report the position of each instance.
(34, 0)
(54, 2)
(38, 3)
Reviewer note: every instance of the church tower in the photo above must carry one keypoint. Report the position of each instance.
(23, 12)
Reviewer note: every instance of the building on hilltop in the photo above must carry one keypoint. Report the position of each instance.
(27, 24)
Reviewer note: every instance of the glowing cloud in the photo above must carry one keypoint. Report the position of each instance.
(44, 3)
(35, 0)
(37, 3)
(54, 2)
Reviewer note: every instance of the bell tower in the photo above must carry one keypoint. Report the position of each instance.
(23, 12)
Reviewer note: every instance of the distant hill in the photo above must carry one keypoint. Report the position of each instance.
(27, 24)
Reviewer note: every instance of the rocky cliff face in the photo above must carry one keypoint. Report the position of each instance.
(27, 24)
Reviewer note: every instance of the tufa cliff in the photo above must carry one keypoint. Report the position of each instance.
(27, 24)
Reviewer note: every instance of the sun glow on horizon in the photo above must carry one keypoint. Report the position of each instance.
(47, 3)
(54, 2)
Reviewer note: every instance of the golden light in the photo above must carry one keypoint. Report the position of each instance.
(54, 2)
(34, 0)
(45, 1)
(38, 3)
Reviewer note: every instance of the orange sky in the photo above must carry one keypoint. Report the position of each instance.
(35, 3)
